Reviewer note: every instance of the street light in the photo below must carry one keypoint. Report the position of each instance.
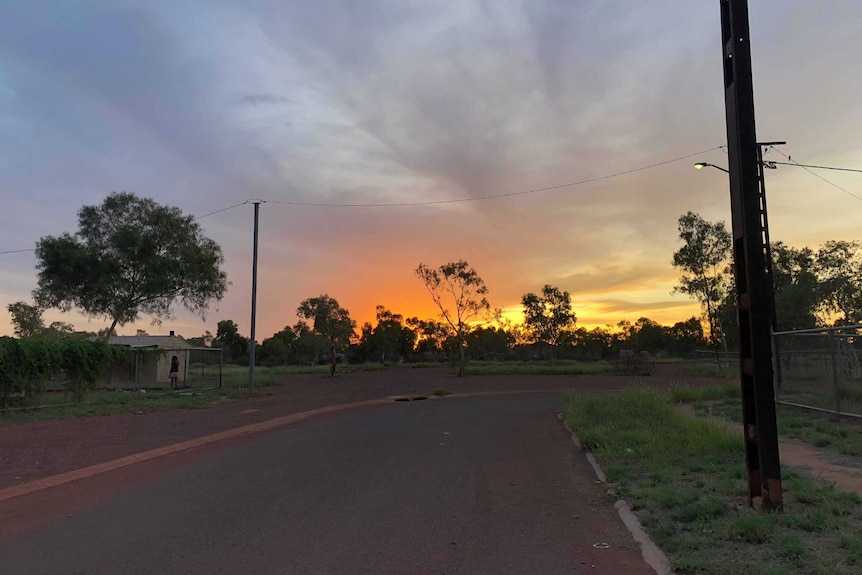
(702, 165)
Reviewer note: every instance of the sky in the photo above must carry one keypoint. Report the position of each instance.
(206, 104)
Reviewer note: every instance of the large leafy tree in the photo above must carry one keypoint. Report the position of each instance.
(331, 321)
(277, 350)
(703, 261)
(459, 292)
(26, 319)
(797, 293)
(228, 338)
(28, 323)
(130, 256)
(548, 316)
(839, 269)
(429, 336)
(389, 338)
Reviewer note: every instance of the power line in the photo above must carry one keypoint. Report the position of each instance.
(222, 210)
(792, 163)
(493, 196)
(815, 174)
(452, 201)
(196, 218)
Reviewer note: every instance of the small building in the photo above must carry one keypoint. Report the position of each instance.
(150, 362)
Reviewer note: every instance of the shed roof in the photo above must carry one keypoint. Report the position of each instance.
(136, 341)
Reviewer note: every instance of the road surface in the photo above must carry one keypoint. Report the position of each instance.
(446, 486)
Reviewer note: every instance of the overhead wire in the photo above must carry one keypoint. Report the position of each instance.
(494, 196)
(805, 167)
(196, 218)
(797, 164)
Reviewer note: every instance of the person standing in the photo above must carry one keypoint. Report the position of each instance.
(175, 371)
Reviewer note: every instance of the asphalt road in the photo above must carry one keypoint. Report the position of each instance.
(453, 486)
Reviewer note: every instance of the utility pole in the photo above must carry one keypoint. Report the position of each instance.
(253, 298)
(751, 267)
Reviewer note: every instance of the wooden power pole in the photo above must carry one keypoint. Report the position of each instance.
(751, 266)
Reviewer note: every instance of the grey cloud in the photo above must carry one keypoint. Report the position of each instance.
(262, 99)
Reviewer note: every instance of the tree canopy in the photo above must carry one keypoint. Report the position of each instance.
(459, 292)
(130, 256)
(548, 316)
(704, 264)
(330, 321)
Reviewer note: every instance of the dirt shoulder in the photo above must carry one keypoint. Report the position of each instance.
(35, 450)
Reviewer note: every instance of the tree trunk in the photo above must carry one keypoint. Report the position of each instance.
(713, 321)
(461, 354)
(112, 328)
(334, 361)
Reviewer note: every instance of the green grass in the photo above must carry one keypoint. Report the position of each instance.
(710, 370)
(59, 406)
(562, 367)
(689, 394)
(685, 478)
(157, 397)
(838, 436)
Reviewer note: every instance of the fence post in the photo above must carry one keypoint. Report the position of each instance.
(776, 365)
(834, 372)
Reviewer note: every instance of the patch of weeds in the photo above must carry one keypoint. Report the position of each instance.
(852, 547)
(669, 497)
(617, 472)
(851, 446)
(789, 546)
(821, 441)
(440, 392)
(754, 528)
(808, 520)
(661, 477)
(701, 510)
(692, 562)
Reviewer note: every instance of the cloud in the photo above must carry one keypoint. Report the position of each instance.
(205, 104)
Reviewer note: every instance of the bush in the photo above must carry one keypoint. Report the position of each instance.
(27, 364)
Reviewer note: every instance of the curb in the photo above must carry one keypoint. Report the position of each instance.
(652, 554)
(84, 472)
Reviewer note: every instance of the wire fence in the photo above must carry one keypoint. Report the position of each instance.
(149, 368)
(820, 369)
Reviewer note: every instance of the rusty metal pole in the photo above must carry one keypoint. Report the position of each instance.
(754, 296)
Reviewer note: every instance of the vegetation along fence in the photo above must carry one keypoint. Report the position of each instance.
(30, 368)
(820, 369)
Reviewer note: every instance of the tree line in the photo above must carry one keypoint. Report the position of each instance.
(131, 257)
(813, 288)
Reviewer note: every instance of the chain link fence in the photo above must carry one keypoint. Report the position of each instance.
(820, 369)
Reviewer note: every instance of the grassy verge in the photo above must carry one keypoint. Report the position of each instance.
(527, 368)
(702, 369)
(685, 478)
(840, 436)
